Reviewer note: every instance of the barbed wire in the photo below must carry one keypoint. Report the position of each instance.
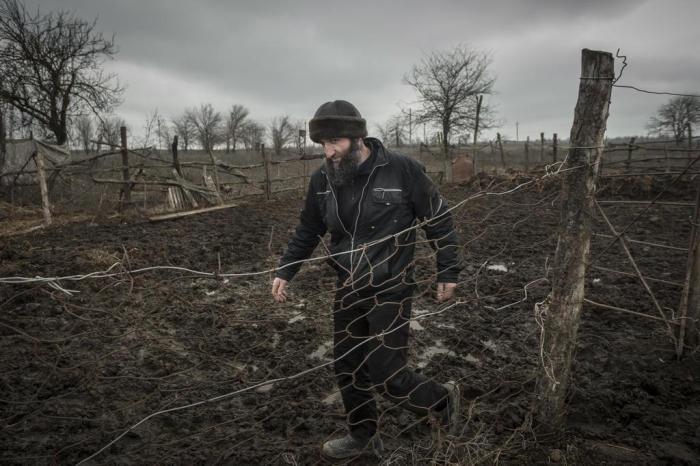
(549, 172)
(185, 380)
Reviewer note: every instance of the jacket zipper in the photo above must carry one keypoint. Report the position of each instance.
(337, 212)
(359, 209)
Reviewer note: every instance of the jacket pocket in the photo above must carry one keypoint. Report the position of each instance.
(388, 196)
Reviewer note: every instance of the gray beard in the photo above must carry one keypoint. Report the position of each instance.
(345, 172)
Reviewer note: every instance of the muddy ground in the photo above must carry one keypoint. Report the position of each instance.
(79, 369)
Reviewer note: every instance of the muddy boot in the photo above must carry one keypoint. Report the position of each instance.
(448, 417)
(348, 447)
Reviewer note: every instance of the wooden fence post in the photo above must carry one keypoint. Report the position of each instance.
(555, 147)
(690, 139)
(630, 148)
(527, 154)
(176, 161)
(500, 149)
(266, 163)
(215, 168)
(689, 331)
(479, 100)
(45, 204)
(558, 315)
(541, 147)
(126, 189)
(3, 138)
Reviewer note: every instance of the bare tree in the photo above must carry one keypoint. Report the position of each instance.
(252, 134)
(282, 132)
(394, 131)
(185, 129)
(234, 122)
(84, 132)
(207, 123)
(52, 66)
(109, 130)
(676, 117)
(156, 128)
(448, 84)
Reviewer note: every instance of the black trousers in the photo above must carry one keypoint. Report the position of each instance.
(370, 351)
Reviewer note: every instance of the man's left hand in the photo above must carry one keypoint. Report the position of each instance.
(445, 291)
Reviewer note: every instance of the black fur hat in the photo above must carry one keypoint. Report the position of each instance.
(337, 119)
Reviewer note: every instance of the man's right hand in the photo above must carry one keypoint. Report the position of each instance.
(279, 290)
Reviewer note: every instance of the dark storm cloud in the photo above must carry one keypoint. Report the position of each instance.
(287, 57)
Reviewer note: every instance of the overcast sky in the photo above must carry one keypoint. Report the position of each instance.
(279, 57)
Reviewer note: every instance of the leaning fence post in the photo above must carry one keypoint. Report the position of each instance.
(126, 189)
(558, 315)
(689, 332)
(555, 147)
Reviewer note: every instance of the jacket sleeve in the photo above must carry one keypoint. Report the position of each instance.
(306, 237)
(429, 205)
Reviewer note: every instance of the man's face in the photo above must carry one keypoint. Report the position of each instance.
(342, 159)
(336, 149)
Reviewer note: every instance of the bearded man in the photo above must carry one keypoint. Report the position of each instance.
(371, 200)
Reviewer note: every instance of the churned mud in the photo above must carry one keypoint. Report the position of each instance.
(83, 363)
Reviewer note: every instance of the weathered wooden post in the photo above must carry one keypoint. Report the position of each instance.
(126, 188)
(541, 147)
(555, 147)
(689, 330)
(690, 139)
(500, 150)
(176, 161)
(476, 119)
(41, 172)
(215, 169)
(527, 154)
(266, 164)
(558, 315)
(3, 138)
(630, 148)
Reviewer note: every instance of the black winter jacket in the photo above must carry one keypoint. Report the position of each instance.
(377, 250)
